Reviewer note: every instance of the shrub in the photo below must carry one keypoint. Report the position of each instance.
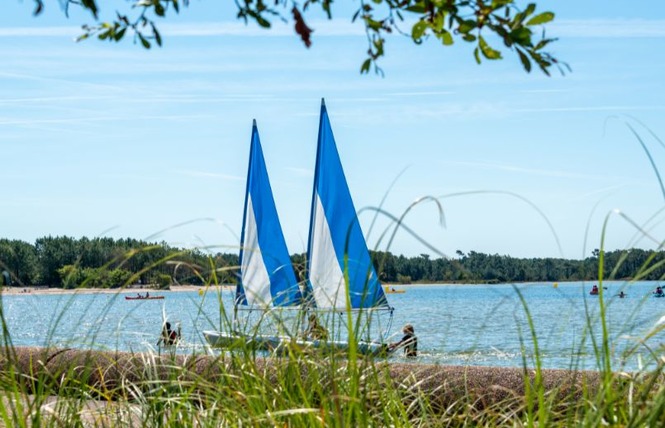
(163, 281)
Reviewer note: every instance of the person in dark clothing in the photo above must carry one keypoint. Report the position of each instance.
(169, 337)
(409, 342)
(315, 330)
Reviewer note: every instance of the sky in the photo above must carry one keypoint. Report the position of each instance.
(105, 139)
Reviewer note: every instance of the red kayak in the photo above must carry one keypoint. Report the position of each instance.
(143, 297)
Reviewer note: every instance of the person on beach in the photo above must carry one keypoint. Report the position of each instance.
(169, 337)
(315, 330)
(409, 342)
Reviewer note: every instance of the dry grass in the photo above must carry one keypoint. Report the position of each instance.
(98, 388)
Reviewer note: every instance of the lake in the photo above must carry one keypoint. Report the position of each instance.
(455, 324)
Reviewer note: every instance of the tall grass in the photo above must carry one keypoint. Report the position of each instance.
(79, 387)
(62, 387)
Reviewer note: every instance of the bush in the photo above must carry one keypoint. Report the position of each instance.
(403, 279)
(163, 281)
(73, 277)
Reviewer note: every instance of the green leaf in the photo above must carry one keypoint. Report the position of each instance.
(262, 21)
(467, 26)
(418, 30)
(529, 9)
(541, 19)
(365, 67)
(91, 6)
(159, 9)
(487, 51)
(521, 36)
(158, 37)
(144, 41)
(496, 4)
(541, 44)
(439, 19)
(372, 24)
(417, 8)
(526, 63)
(476, 54)
(120, 34)
(469, 37)
(378, 46)
(447, 38)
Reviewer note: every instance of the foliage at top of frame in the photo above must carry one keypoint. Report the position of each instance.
(484, 24)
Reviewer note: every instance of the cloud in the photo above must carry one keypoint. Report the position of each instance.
(587, 28)
(529, 171)
(300, 172)
(420, 93)
(203, 174)
(601, 191)
(607, 28)
(64, 31)
(334, 27)
(600, 28)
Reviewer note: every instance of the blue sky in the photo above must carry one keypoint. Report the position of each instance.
(101, 139)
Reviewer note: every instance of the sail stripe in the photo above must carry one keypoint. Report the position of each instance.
(267, 276)
(325, 273)
(254, 274)
(331, 199)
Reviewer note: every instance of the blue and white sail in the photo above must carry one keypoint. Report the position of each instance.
(266, 273)
(336, 248)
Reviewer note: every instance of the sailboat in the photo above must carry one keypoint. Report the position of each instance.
(266, 277)
(341, 278)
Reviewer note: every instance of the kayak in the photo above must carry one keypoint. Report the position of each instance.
(143, 297)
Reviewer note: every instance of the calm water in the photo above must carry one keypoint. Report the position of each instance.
(455, 324)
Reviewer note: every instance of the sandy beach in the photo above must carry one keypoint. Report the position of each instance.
(142, 290)
(129, 290)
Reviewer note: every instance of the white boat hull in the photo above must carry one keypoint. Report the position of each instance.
(219, 339)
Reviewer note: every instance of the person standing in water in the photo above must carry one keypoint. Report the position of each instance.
(315, 330)
(409, 342)
(169, 337)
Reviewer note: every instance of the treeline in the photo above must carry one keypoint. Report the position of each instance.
(477, 267)
(109, 263)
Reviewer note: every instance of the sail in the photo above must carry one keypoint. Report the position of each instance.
(266, 273)
(336, 244)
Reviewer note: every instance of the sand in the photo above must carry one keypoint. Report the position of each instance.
(130, 290)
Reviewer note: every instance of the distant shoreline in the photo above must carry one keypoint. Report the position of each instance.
(35, 289)
(40, 290)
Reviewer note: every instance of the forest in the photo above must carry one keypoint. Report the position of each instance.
(66, 262)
